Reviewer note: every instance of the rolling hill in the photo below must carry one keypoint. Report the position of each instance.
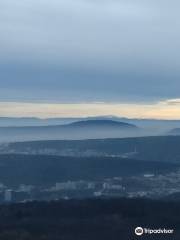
(103, 124)
(77, 130)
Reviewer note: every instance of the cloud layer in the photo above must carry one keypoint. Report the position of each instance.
(159, 110)
(75, 51)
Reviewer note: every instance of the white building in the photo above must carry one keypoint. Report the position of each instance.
(25, 188)
(65, 186)
(8, 196)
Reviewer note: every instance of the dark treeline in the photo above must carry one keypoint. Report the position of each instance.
(163, 148)
(43, 169)
(98, 219)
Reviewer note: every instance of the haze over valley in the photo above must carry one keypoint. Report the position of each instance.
(29, 129)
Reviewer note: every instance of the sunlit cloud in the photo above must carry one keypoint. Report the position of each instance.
(158, 110)
(172, 101)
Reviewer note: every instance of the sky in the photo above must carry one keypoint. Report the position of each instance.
(90, 57)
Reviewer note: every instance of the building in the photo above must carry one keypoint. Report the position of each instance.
(8, 195)
(65, 186)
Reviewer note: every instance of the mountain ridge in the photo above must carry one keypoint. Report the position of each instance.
(102, 123)
(77, 130)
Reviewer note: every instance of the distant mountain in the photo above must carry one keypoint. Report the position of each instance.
(28, 121)
(77, 130)
(27, 129)
(175, 131)
(152, 124)
(103, 124)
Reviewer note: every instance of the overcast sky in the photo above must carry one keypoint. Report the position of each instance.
(90, 51)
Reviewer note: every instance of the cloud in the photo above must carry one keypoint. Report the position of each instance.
(157, 110)
(89, 50)
(89, 32)
(171, 102)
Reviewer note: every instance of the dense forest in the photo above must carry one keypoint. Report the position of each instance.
(98, 219)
